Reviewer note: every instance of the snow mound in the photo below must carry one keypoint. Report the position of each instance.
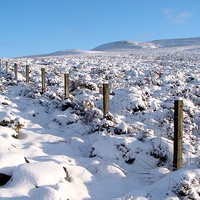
(37, 179)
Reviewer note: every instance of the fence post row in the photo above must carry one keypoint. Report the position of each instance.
(105, 98)
(15, 69)
(43, 80)
(178, 133)
(27, 73)
(178, 112)
(66, 80)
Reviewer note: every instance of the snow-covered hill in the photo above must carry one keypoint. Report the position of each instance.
(132, 45)
(128, 45)
(60, 53)
(67, 52)
(177, 42)
(57, 149)
(123, 45)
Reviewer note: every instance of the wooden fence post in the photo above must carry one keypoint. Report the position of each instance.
(27, 73)
(66, 79)
(43, 80)
(105, 98)
(6, 67)
(178, 133)
(15, 69)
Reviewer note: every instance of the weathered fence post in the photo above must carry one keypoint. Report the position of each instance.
(66, 79)
(27, 73)
(178, 133)
(6, 67)
(43, 80)
(15, 69)
(105, 98)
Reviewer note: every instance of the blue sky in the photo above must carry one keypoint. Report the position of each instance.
(29, 27)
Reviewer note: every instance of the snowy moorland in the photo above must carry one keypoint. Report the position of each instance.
(57, 149)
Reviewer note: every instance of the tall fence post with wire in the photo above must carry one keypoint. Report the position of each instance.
(7, 67)
(178, 133)
(15, 69)
(105, 99)
(66, 85)
(43, 80)
(27, 73)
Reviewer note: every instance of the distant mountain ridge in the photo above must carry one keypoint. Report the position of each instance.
(61, 53)
(128, 45)
(68, 52)
(123, 45)
(177, 42)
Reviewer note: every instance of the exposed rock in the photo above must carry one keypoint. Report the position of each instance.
(4, 179)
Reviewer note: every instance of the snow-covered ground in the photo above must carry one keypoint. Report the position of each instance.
(64, 149)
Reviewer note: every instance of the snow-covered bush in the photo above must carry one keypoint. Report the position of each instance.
(162, 150)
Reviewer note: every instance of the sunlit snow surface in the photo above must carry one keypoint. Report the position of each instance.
(129, 155)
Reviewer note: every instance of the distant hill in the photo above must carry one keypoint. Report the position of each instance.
(128, 45)
(67, 52)
(177, 42)
(124, 45)
(61, 53)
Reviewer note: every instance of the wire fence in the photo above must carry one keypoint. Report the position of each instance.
(159, 122)
(134, 110)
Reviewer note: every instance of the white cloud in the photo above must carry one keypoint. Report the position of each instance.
(175, 16)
